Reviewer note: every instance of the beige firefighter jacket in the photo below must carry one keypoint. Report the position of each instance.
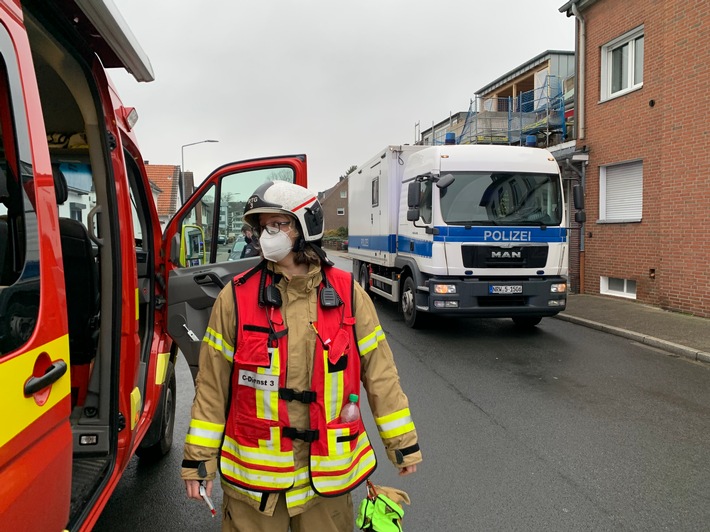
(378, 374)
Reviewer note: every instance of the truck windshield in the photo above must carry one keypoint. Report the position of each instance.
(502, 198)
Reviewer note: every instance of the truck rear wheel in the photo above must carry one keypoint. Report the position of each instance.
(526, 322)
(365, 278)
(412, 317)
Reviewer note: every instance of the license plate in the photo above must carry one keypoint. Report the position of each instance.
(505, 289)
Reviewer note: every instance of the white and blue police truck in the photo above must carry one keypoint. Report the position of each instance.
(466, 230)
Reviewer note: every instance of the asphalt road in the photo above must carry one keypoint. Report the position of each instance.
(562, 428)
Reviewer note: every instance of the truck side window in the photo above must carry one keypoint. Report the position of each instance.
(19, 238)
(425, 202)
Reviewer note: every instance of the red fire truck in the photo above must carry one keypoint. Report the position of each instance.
(86, 355)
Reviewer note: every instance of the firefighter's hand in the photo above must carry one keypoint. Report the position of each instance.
(193, 489)
(407, 470)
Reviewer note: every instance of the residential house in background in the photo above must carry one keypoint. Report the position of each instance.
(335, 204)
(166, 177)
(642, 123)
(533, 104)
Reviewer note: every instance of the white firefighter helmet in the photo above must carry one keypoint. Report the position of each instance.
(287, 198)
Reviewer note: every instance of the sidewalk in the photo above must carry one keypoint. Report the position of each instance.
(676, 333)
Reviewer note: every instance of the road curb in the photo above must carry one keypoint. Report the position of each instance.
(664, 345)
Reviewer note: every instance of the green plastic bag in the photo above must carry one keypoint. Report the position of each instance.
(379, 513)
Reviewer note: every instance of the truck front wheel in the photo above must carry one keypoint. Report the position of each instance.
(412, 317)
(526, 322)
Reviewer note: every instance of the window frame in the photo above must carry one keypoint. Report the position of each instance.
(607, 64)
(341, 211)
(627, 292)
(604, 191)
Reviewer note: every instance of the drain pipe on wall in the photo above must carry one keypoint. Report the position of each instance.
(580, 82)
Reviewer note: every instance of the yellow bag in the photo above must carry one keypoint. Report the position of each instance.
(381, 510)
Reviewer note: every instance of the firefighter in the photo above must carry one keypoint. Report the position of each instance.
(287, 344)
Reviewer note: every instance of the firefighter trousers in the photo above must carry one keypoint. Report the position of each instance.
(331, 514)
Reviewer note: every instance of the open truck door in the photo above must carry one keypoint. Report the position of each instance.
(196, 276)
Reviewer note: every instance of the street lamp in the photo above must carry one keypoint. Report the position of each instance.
(182, 166)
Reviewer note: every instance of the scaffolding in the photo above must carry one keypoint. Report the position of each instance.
(535, 117)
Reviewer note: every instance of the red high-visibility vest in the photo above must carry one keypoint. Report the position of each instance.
(257, 450)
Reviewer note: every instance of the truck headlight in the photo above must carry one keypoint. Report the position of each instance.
(558, 288)
(444, 288)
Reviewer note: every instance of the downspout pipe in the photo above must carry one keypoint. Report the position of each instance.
(580, 82)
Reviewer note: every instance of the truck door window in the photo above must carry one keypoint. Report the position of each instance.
(211, 229)
(425, 201)
(19, 238)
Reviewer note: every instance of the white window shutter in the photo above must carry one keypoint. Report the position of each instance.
(624, 191)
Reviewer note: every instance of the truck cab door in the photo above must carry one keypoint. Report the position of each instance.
(202, 243)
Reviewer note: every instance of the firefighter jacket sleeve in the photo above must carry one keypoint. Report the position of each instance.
(207, 421)
(388, 402)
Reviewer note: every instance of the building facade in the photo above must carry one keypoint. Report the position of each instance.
(642, 121)
(335, 205)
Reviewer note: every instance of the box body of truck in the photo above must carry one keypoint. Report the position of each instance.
(471, 230)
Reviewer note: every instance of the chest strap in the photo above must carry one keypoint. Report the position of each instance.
(307, 435)
(289, 394)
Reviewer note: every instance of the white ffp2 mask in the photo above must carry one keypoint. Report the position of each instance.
(275, 247)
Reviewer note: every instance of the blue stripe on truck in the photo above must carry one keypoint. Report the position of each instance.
(479, 235)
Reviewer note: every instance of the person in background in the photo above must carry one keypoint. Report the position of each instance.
(250, 250)
(287, 347)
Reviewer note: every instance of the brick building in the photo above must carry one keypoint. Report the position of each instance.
(642, 120)
(335, 205)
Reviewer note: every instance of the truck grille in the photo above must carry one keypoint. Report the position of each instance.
(499, 257)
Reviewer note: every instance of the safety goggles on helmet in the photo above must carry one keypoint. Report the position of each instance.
(282, 197)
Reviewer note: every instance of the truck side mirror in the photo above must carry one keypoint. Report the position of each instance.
(578, 197)
(413, 195)
(580, 217)
(445, 181)
(413, 198)
(192, 246)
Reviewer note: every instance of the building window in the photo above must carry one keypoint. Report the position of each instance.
(622, 65)
(621, 192)
(343, 194)
(341, 211)
(614, 286)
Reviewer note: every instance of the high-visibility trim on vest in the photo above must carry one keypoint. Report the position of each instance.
(349, 469)
(204, 433)
(332, 391)
(254, 495)
(302, 492)
(266, 467)
(395, 424)
(215, 340)
(267, 402)
(369, 342)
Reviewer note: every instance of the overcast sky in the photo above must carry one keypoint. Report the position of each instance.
(335, 80)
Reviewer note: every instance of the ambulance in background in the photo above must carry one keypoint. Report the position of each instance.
(87, 366)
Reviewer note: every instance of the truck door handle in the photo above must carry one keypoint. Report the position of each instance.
(209, 278)
(52, 375)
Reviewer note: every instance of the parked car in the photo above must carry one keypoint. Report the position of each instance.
(237, 248)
